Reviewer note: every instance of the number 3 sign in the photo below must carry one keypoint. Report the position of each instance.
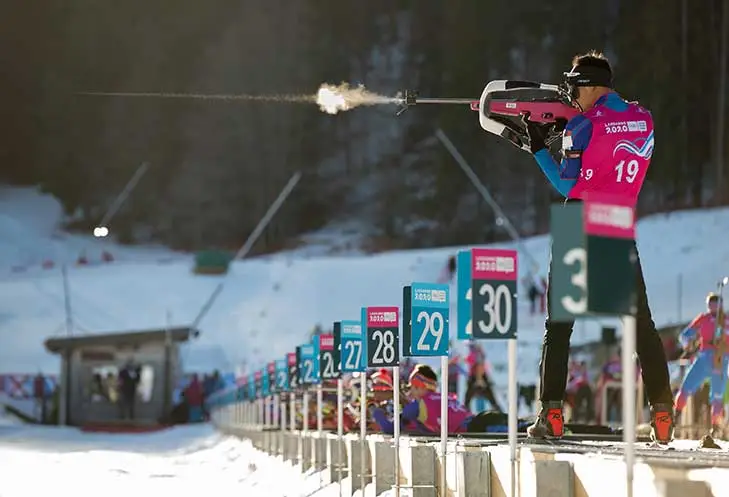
(383, 338)
(493, 276)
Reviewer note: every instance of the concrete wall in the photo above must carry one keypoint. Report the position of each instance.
(472, 468)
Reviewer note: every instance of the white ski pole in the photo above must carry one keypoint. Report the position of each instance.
(443, 422)
(340, 430)
(396, 427)
(513, 407)
(362, 428)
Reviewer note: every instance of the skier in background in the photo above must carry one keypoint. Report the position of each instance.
(593, 159)
(708, 332)
(446, 276)
(611, 372)
(579, 392)
(455, 370)
(535, 291)
(479, 384)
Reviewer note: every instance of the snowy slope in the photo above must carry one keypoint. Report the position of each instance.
(30, 235)
(269, 304)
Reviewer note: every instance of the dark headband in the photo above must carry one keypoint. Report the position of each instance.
(589, 75)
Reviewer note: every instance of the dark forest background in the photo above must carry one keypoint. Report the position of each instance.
(216, 166)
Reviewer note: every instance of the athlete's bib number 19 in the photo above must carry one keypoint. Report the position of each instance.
(627, 171)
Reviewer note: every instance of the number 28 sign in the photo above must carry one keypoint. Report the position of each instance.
(493, 280)
(383, 338)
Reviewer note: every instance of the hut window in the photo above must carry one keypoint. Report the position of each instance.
(104, 385)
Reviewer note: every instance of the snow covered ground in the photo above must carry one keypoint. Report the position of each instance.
(269, 304)
(183, 461)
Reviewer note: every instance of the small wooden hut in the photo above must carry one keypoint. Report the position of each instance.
(94, 368)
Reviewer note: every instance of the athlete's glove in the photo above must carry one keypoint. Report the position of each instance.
(536, 132)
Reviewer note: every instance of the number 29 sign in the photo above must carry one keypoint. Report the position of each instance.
(493, 280)
(430, 308)
(383, 338)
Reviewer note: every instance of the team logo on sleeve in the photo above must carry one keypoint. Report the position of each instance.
(567, 147)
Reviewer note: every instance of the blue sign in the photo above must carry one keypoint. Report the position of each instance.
(463, 300)
(265, 386)
(308, 366)
(316, 352)
(430, 315)
(282, 376)
(353, 357)
(251, 387)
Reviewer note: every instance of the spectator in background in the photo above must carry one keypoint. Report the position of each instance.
(39, 394)
(543, 295)
(211, 384)
(194, 398)
(128, 379)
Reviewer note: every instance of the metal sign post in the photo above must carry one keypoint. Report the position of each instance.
(429, 314)
(363, 430)
(594, 273)
(494, 310)
(383, 350)
(337, 349)
(340, 430)
(443, 423)
(355, 361)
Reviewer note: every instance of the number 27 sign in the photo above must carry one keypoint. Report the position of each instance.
(493, 280)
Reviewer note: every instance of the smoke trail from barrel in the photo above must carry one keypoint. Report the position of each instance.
(330, 98)
(204, 96)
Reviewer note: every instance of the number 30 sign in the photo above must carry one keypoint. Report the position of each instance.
(493, 280)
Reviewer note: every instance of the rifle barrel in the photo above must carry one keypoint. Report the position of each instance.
(460, 101)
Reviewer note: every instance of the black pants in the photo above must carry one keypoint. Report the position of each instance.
(485, 391)
(652, 357)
